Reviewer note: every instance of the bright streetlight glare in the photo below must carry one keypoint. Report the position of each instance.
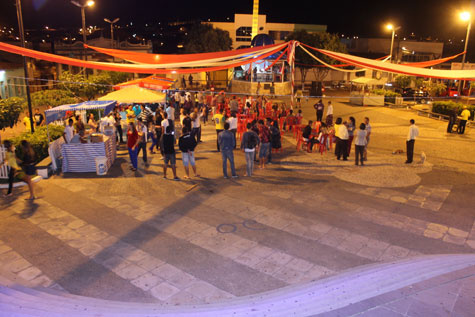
(389, 27)
(90, 3)
(465, 16)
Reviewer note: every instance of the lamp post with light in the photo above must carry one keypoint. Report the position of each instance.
(83, 6)
(391, 27)
(112, 29)
(466, 17)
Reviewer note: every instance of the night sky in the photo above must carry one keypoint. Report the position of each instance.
(435, 18)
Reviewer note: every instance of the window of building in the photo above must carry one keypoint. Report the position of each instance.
(244, 31)
(243, 39)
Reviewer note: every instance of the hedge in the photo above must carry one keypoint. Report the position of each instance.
(38, 140)
(446, 107)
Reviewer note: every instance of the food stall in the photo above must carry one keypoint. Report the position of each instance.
(82, 157)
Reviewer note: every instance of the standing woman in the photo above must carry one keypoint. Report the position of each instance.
(92, 123)
(15, 171)
(132, 145)
(351, 126)
(360, 144)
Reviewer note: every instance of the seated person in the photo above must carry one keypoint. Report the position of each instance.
(307, 135)
(79, 138)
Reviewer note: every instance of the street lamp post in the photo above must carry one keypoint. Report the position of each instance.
(25, 68)
(465, 16)
(112, 29)
(393, 29)
(83, 6)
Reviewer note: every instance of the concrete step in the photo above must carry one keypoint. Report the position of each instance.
(307, 299)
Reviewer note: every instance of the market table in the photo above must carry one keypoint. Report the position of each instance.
(80, 157)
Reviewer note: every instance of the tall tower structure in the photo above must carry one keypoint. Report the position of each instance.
(255, 19)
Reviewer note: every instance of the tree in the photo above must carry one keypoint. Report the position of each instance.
(10, 110)
(403, 81)
(323, 40)
(204, 38)
(89, 88)
(52, 97)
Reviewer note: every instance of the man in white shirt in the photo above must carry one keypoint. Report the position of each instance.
(344, 137)
(171, 112)
(329, 116)
(68, 131)
(411, 139)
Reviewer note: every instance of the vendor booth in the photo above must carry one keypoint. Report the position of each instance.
(99, 149)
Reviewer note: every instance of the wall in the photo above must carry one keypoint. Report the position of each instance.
(246, 87)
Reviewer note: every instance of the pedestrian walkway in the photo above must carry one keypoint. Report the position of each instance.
(136, 237)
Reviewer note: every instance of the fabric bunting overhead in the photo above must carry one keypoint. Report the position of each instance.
(256, 55)
(146, 58)
(398, 68)
(208, 62)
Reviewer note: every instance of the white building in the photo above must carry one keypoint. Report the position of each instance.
(240, 29)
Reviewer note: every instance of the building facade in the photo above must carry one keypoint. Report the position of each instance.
(240, 29)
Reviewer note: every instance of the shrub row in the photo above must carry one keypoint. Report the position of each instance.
(38, 140)
(446, 107)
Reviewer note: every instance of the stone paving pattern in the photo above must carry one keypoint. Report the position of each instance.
(134, 236)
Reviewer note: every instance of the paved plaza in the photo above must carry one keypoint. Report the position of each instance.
(134, 236)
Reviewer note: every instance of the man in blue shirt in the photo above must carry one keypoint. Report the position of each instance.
(226, 143)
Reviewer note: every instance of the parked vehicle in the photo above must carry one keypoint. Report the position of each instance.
(419, 96)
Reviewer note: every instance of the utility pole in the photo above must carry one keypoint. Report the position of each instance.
(25, 67)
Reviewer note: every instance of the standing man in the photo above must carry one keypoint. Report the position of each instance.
(68, 131)
(250, 141)
(142, 131)
(168, 147)
(26, 122)
(463, 121)
(38, 117)
(130, 115)
(411, 139)
(219, 120)
(171, 113)
(118, 125)
(233, 105)
(226, 143)
(319, 106)
(452, 120)
(329, 117)
(343, 142)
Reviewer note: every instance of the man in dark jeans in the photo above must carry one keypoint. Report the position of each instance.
(319, 109)
(411, 139)
(226, 144)
(142, 130)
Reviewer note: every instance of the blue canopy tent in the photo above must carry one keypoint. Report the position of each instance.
(59, 112)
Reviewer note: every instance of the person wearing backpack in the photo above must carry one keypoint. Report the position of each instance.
(250, 140)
